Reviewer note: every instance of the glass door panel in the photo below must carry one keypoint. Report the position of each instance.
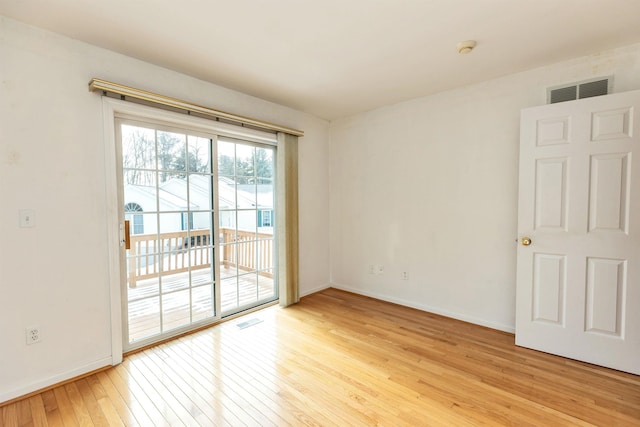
(246, 224)
(168, 193)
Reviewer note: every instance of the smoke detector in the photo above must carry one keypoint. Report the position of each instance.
(466, 46)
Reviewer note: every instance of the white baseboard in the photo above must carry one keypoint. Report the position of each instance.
(56, 379)
(428, 308)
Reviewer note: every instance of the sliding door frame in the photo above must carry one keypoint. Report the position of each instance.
(112, 109)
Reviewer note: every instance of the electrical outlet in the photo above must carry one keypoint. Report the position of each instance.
(379, 269)
(27, 218)
(34, 335)
(405, 275)
(371, 269)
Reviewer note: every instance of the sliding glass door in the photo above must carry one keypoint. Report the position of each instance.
(199, 210)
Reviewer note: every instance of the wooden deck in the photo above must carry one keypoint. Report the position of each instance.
(144, 299)
(161, 266)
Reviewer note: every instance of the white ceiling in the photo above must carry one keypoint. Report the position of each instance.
(333, 58)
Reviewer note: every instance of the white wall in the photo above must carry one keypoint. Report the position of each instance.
(52, 161)
(429, 186)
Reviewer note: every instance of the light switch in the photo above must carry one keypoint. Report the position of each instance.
(27, 218)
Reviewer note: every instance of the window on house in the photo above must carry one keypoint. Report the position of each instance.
(133, 214)
(187, 220)
(265, 218)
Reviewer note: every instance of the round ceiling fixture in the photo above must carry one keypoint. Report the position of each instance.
(466, 46)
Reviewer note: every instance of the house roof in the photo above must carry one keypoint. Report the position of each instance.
(145, 196)
(173, 194)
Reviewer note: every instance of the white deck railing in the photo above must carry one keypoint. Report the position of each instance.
(181, 251)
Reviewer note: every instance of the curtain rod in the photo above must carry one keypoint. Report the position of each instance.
(105, 86)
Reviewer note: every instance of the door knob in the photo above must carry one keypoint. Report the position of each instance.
(526, 241)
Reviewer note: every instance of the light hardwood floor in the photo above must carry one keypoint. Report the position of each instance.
(338, 359)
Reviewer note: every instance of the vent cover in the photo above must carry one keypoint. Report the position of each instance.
(562, 94)
(582, 90)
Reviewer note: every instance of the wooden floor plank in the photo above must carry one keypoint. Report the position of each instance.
(253, 370)
(129, 409)
(50, 404)
(24, 413)
(144, 393)
(371, 376)
(107, 407)
(230, 393)
(253, 397)
(9, 415)
(144, 410)
(110, 413)
(91, 403)
(164, 394)
(79, 403)
(38, 413)
(64, 406)
(205, 391)
(339, 359)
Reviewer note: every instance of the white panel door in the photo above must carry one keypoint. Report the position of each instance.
(578, 272)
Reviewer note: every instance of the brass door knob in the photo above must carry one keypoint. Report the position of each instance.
(526, 241)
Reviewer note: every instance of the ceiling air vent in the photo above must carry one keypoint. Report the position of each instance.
(581, 90)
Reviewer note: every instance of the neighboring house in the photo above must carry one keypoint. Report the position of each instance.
(139, 199)
(255, 205)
